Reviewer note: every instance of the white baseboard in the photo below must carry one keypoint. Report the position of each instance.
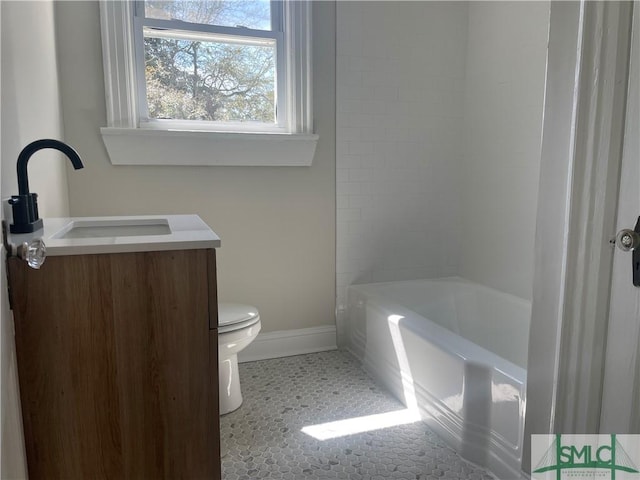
(285, 343)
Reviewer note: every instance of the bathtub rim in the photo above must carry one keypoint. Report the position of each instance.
(367, 289)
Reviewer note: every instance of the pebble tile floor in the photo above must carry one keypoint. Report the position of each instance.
(263, 438)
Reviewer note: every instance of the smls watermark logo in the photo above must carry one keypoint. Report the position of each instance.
(576, 457)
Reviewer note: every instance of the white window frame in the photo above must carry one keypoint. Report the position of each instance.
(130, 140)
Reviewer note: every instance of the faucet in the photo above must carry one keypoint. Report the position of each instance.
(25, 204)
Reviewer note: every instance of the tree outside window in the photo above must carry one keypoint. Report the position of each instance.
(212, 76)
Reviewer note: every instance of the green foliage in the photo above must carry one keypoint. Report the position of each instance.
(209, 80)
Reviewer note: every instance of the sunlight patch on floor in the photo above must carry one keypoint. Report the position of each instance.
(367, 423)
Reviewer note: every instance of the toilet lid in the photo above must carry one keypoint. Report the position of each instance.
(234, 313)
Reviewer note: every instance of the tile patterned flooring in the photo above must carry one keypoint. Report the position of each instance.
(263, 438)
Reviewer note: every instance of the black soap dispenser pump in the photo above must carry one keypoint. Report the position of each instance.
(25, 205)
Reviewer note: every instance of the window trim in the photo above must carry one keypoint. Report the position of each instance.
(121, 92)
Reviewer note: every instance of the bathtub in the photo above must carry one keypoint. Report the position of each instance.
(454, 350)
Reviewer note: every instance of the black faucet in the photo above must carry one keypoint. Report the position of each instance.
(25, 204)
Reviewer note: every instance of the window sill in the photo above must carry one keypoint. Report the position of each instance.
(135, 146)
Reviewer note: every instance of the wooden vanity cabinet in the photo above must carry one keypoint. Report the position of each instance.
(117, 365)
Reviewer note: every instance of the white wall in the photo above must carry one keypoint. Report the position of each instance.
(30, 111)
(31, 103)
(400, 86)
(277, 224)
(503, 102)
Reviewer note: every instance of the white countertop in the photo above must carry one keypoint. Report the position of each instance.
(183, 232)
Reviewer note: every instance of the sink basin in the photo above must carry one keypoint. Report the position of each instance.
(114, 228)
(121, 234)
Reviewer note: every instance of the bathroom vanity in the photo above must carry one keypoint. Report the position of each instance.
(116, 338)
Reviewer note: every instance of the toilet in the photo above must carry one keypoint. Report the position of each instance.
(238, 326)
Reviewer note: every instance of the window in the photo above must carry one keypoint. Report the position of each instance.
(225, 75)
(211, 62)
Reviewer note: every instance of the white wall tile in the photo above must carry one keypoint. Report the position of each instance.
(438, 126)
(360, 174)
(343, 201)
(353, 161)
(360, 148)
(503, 104)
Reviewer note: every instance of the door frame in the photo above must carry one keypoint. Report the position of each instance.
(622, 363)
(583, 128)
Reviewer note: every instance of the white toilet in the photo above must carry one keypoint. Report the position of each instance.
(238, 326)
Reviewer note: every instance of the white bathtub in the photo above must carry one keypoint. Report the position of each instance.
(457, 351)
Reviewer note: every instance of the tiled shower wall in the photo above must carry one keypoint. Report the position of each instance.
(439, 121)
(504, 99)
(400, 95)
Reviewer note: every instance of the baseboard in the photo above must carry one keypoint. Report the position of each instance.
(285, 343)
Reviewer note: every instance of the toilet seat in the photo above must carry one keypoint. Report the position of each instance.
(235, 316)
